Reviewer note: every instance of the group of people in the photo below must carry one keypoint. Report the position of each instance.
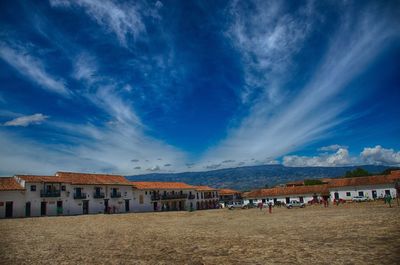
(261, 206)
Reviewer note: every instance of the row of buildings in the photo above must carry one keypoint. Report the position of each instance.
(68, 193)
(334, 189)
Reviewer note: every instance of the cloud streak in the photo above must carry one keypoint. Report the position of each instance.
(124, 20)
(32, 68)
(25, 121)
(310, 113)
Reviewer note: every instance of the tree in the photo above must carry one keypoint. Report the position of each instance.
(358, 172)
(309, 182)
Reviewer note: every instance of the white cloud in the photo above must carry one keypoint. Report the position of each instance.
(155, 168)
(339, 158)
(310, 114)
(158, 4)
(380, 156)
(333, 147)
(24, 121)
(33, 68)
(267, 37)
(124, 20)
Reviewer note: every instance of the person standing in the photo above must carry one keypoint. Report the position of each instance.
(270, 207)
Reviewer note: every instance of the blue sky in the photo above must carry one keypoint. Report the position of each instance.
(131, 87)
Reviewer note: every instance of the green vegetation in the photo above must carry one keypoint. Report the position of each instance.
(358, 172)
(309, 182)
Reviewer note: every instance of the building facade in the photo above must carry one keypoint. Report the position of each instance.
(68, 193)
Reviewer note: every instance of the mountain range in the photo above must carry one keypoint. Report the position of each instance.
(251, 177)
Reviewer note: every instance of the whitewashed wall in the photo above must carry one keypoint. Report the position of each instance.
(380, 190)
(18, 199)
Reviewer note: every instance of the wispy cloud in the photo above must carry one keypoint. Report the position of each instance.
(24, 121)
(267, 37)
(124, 20)
(314, 110)
(333, 147)
(20, 58)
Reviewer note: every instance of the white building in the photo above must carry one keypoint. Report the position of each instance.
(12, 198)
(372, 187)
(69, 193)
(206, 198)
(172, 196)
(306, 194)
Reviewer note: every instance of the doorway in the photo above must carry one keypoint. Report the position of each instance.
(155, 206)
(106, 206)
(43, 208)
(336, 195)
(85, 207)
(9, 209)
(59, 207)
(374, 194)
(287, 199)
(126, 206)
(28, 209)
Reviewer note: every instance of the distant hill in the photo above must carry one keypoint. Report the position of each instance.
(246, 178)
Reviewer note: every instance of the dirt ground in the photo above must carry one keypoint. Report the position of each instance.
(362, 233)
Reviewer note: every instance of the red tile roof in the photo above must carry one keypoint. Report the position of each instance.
(92, 179)
(147, 185)
(363, 181)
(228, 192)
(282, 191)
(9, 184)
(204, 188)
(77, 179)
(39, 179)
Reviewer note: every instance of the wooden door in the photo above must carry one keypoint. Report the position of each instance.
(9, 209)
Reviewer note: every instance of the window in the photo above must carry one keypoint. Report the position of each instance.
(78, 191)
(33, 187)
(348, 194)
(387, 192)
(63, 187)
(361, 193)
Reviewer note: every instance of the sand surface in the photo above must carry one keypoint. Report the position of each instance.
(362, 233)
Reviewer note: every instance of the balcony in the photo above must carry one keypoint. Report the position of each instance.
(115, 195)
(191, 197)
(50, 193)
(81, 195)
(98, 195)
(155, 197)
(173, 196)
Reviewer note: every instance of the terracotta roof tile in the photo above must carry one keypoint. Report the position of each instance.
(39, 179)
(92, 179)
(204, 188)
(362, 181)
(282, 191)
(147, 185)
(9, 184)
(228, 192)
